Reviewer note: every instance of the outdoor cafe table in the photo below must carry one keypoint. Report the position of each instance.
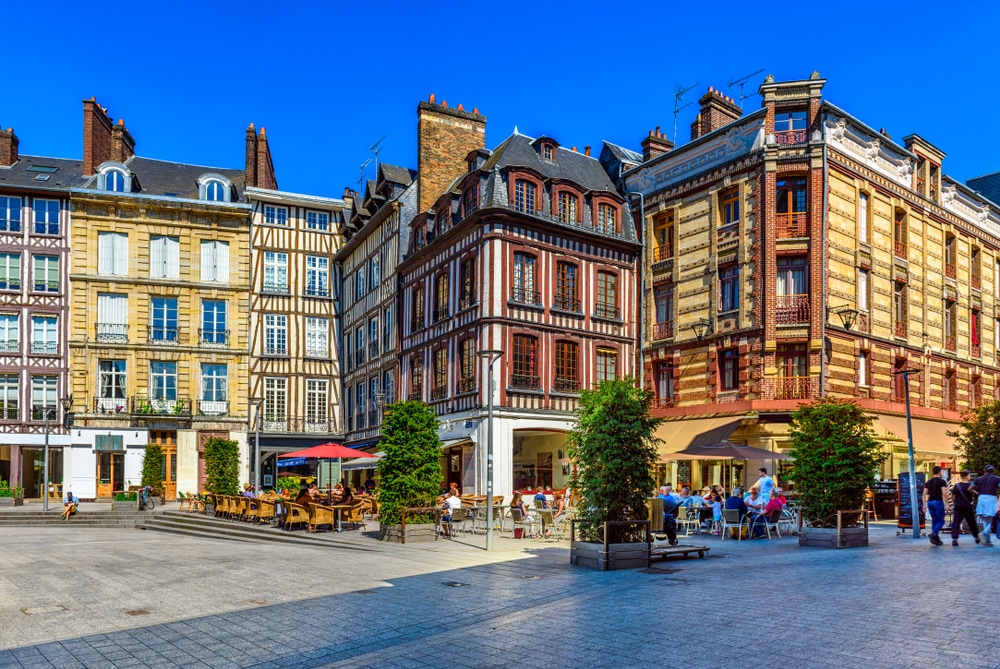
(339, 508)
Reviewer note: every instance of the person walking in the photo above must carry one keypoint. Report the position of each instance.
(986, 509)
(934, 501)
(670, 505)
(964, 509)
(765, 484)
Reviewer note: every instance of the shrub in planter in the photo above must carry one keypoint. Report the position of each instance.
(222, 466)
(153, 461)
(410, 471)
(836, 458)
(615, 450)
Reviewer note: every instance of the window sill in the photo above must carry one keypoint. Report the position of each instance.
(607, 319)
(42, 354)
(526, 305)
(317, 297)
(565, 393)
(566, 312)
(526, 391)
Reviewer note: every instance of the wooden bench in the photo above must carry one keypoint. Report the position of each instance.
(674, 551)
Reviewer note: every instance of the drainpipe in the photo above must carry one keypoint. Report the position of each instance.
(641, 265)
(823, 290)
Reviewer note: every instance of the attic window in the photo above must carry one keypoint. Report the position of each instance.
(42, 168)
(214, 188)
(547, 152)
(42, 177)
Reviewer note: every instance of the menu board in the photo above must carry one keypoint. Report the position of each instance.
(905, 506)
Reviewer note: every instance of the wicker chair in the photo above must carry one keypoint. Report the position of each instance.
(321, 515)
(356, 516)
(266, 512)
(221, 506)
(297, 515)
(185, 502)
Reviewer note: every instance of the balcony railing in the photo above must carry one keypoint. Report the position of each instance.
(218, 338)
(440, 314)
(275, 288)
(323, 354)
(793, 225)
(523, 296)
(791, 388)
(664, 402)
(275, 352)
(467, 300)
(299, 425)
(8, 413)
(899, 250)
(602, 310)
(162, 335)
(110, 405)
(112, 332)
(900, 329)
(566, 385)
(949, 343)
(317, 291)
(44, 347)
(39, 413)
(523, 382)
(665, 252)
(787, 137)
(949, 271)
(439, 392)
(10, 346)
(317, 425)
(45, 286)
(663, 330)
(416, 395)
(417, 324)
(213, 407)
(792, 309)
(467, 385)
(566, 303)
(977, 350)
(143, 406)
(975, 281)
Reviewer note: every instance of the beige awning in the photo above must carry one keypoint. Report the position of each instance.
(930, 437)
(679, 434)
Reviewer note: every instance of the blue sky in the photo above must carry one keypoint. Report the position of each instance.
(328, 80)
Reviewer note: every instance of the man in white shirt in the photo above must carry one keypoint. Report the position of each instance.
(765, 484)
(754, 501)
(451, 502)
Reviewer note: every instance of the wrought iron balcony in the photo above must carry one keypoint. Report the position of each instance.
(10, 346)
(900, 329)
(317, 291)
(44, 347)
(213, 407)
(8, 413)
(161, 335)
(791, 226)
(523, 296)
(566, 385)
(275, 288)
(373, 417)
(143, 406)
(566, 303)
(663, 330)
(38, 413)
(275, 351)
(467, 385)
(524, 382)
(319, 425)
(792, 309)
(324, 353)
(791, 388)
(603, 310)
(417, 324)
(664, 252)
(899, 250)
(664, 402)
(112, 332)
(439, 392)
(112, 405)
(788, 137)
(949, 270)
(219, 338)
(467, 300)
(440, 314)
(416, 395)
(298, 425)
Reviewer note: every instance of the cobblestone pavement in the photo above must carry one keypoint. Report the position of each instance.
(91, 597)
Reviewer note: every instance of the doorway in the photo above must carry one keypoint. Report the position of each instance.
(167, 440)
(110, 472)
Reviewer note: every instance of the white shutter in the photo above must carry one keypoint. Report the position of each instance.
(112, 309)
(222, 262)
(156, 257)
(172, 249)
(121, 254)
(207, 260)
(105, 253)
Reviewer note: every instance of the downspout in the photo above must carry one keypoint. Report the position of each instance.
(823, 291)
(640, 303)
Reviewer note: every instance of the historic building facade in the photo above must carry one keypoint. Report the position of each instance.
(34, 299)
(795, 252)
(530, 250)
(160, 295)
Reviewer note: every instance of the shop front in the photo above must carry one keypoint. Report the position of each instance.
(22, 464)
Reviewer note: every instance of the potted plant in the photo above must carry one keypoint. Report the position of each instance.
(615, 450)
(222, 466)
(124, 500)
(409, 473)
(836, 459)
(10, 496)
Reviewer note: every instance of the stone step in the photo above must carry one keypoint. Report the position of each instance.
(211, 527)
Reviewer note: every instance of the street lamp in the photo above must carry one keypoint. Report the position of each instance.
(914, 506)
(256, 401)
(66, 402)
(848, 316)
(701, 327)
(490, 357)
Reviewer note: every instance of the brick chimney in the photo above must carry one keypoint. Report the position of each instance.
(445, 137)
(655, 144)
(259, 170)
(122, 144)
(8, 147)
(717, 110)
(96, 136)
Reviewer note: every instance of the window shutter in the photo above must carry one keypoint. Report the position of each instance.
(207, 260)
(105, 252)
(222, 262)
(121, 254)
(112, 309)
(172, 251)
(156, 256)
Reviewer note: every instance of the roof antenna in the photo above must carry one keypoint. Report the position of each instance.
(361, 178)
(678, 94)
(376, 149)
(741, 82)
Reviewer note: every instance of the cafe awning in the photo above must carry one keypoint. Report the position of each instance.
(452, 443)
(362, 463)
(679, 434)
(930, 437)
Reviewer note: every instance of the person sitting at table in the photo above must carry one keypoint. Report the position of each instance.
(559, 504)
(451, 502)
(755, 512)
(780, 494)
(369, 485)
(248, 490)
(540, 497)
(346, 497)
(453, 489)
(285, 494)
(735, 501)
(774, 504)
(517, 502)
(304, 498)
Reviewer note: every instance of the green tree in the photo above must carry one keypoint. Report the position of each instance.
(978, 436)
(836, 458)
(410, 470)
(222, 466)
(615, 450)
(152, 466)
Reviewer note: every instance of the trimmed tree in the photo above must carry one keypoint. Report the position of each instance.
(152, 466)
(836, 458)
(410, 471)
(222, 466)
(978, 436)
(615, 450)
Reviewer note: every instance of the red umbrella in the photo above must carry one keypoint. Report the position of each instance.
(328, 451)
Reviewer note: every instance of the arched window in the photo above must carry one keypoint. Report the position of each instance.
(215, 191)
(114, 177)
(524, 372)
(114, 180)
(524, 196)
(607, 219)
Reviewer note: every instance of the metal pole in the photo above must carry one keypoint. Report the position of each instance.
(915, 506)
(256, 454)
(45, 467)
(489, 464)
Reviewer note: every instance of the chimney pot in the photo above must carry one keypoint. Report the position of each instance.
(475, 110)
(432, 99)
(586, 150)
(460, 107)
(574, 149)
(444, 103)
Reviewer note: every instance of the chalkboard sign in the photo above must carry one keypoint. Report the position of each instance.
(905, 506)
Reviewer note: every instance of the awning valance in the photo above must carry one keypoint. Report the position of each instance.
(930, 437)
(452, 443)
(362, 463)
(679, 434)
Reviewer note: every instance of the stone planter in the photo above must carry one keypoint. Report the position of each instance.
(117, 505)
(408, 535)
(619, 556)
(839, 536)
(11, 501)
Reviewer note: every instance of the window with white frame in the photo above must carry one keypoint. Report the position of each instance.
(375, 270)
(863, 217)
(373, 337)
(111, 386)
(275, 215)
(275, 272)
(164, 257)
(216, 191)
(10, 338)
(374, 401)
(317, 276)
(45, 335)
(112, 253)
(10, 214)
(317, 220)
(45, 278)
(275, 334)
(863, 368)
(163, 319)
(163, 381)
(862, 290)
(389, 387)
(360, 394)
(317, 337)
(214, 389)
(214, 261)
(213, 322)
(275, 402)
(317, 403)
(46, 217)
(114, 180)
(112, 317)
(9, 396)
(359, 338)
(359, 283)
(43, 397)
(10, 271)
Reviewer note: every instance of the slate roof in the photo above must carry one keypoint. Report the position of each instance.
(987, 185)
(161, 177)
(623, 154)
(517, 150)
(69, 173)
(400, 175)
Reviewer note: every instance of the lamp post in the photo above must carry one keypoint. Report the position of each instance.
(914, 505)
(701, 327)
(490, 357)
(848, 316)
(66, 402)
(256, 401)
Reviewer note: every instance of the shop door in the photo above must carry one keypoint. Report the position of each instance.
(167, 440)
(110, 473)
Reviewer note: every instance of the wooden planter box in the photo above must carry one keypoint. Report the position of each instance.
(122, 505)
(11, 501)
(408, 534)
(592, 555)
(836, 537)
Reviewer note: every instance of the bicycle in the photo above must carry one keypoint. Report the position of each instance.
(145, 501)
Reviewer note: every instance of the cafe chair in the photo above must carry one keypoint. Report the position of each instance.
(297, 515)
(185, 502)
(266, 512)
(458, 518)
(686, 519)
(518, 520)
(732, 518)
(771, 522)
(356, 516)
(321, 515)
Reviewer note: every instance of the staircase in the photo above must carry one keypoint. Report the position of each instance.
(125, 519)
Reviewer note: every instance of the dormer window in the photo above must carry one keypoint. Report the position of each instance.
(790, 127)
(547, 152)
(214, 188)
(115, 178)
(471, 200)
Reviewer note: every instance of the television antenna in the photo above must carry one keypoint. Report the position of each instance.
(741, 82)
(678, 96)
(361, 176)
(376, 149)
